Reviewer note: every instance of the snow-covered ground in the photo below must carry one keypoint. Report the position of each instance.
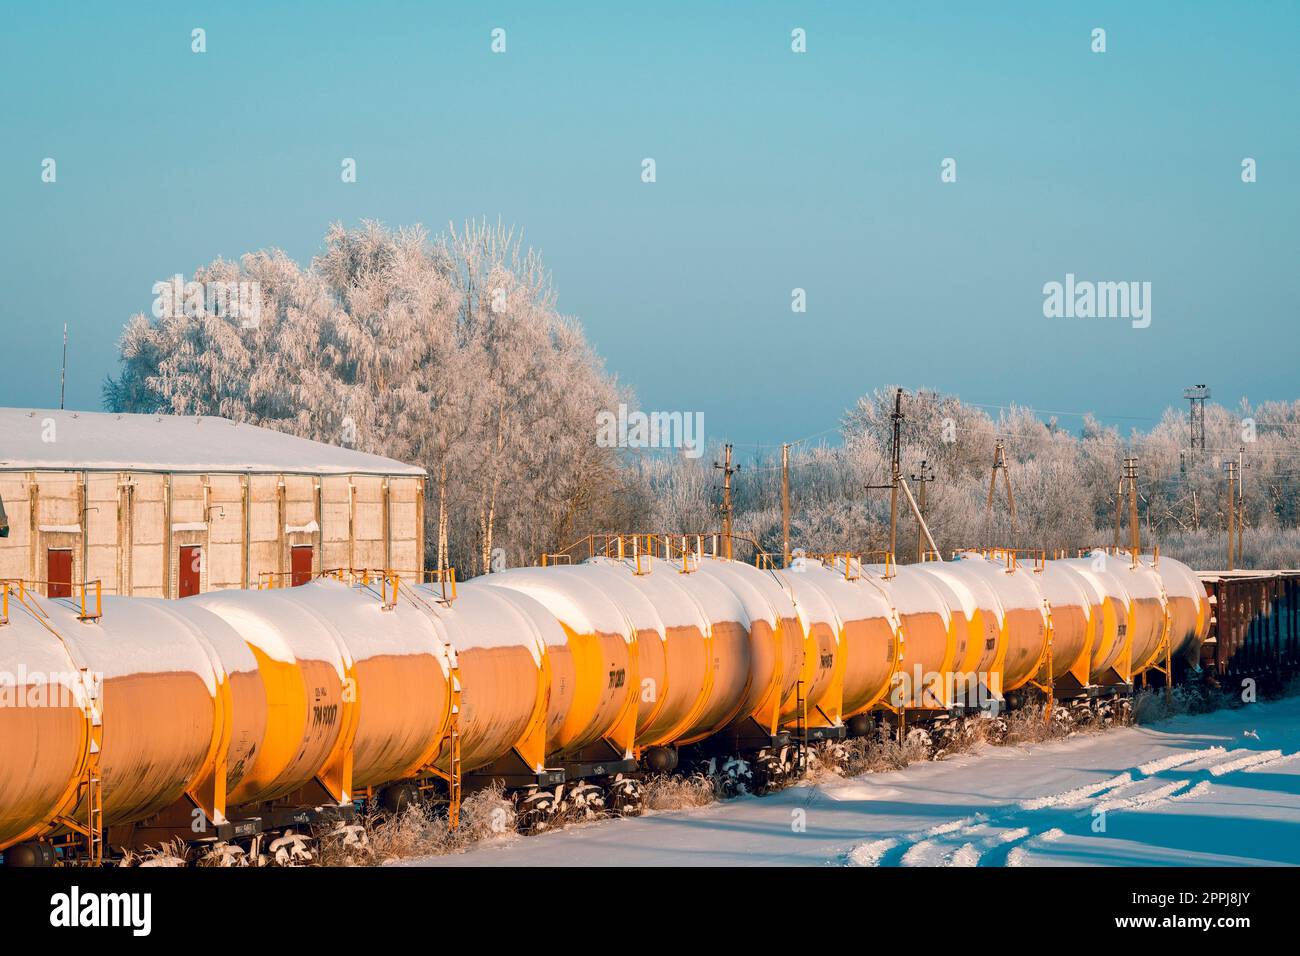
(1221, 788)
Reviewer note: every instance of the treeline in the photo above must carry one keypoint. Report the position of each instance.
(449, 351)
(1065, 483)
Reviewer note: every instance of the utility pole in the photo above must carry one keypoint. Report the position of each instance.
(1231, 468)
(896, 471)
(1134, 529)
(727, 472)
(922, 478)
(1000, 464)
(63, 372)
(1242, 465)
(785, 504)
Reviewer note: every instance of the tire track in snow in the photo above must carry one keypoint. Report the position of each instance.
(1070, 798)
(1020, 855)
(1144, 799)
(970, 854)
(934, 846)
(869, 854)
(1153, 767)
(1253, 759)
(925, 847)
(1270, 764)
(875, 852)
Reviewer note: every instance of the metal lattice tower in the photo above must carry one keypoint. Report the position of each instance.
(1196, 395)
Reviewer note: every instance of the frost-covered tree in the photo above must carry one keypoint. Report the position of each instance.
(445, 351)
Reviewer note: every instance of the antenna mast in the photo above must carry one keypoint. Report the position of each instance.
(63, 372)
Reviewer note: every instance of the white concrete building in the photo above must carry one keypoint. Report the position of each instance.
(166, 506)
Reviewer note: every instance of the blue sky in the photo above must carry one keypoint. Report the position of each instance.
(775, 170)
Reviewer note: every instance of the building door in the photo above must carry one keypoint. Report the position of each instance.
(58, 572)
(302, 561)
(191, 564)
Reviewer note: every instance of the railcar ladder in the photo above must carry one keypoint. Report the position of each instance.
(453, 734)
(801, 726)
(1047, 682)
(94, 816)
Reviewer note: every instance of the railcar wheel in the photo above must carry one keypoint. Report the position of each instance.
(625, 797)
(223, 854)
(736, 777)
(534, 809)
(773, 769)
(397, 797)
(585, 798)
(290, 848)
(30, 855)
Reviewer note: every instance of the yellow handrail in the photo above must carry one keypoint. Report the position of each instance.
(80, 596)
(443, 577)
(671, 546)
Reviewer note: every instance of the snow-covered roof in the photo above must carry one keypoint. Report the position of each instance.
(39, 439)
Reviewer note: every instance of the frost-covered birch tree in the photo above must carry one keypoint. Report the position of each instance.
(447, 351)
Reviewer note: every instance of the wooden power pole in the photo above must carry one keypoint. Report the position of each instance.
(1231, 468)
(1127, 490)
(785, 504)
(1242, 465)
(727, 472)
(922, 478)
(1134, 529)
(1000, 464)
(896, 471)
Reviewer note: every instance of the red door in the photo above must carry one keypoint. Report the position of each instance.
(301, 564)
(188, 572)
(58, 573)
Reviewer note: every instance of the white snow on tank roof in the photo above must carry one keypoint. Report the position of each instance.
(1063, 586)
(234, 654)
(911, 592)
(617, 582)
(852, 601)
(366, 627)
(679, 600)
(41, 439)
(483, 617)
(1140, 580)
(544, 623)
(30, 656)
(811, 599)
(761, 596)
(958, 587)
(1180, 580)
(1016, 590)
(712, 597)
(572, 596)
(133, 636)
(279, 626)
(1100, 578)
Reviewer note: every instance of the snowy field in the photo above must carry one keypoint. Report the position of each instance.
(1221, 788)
